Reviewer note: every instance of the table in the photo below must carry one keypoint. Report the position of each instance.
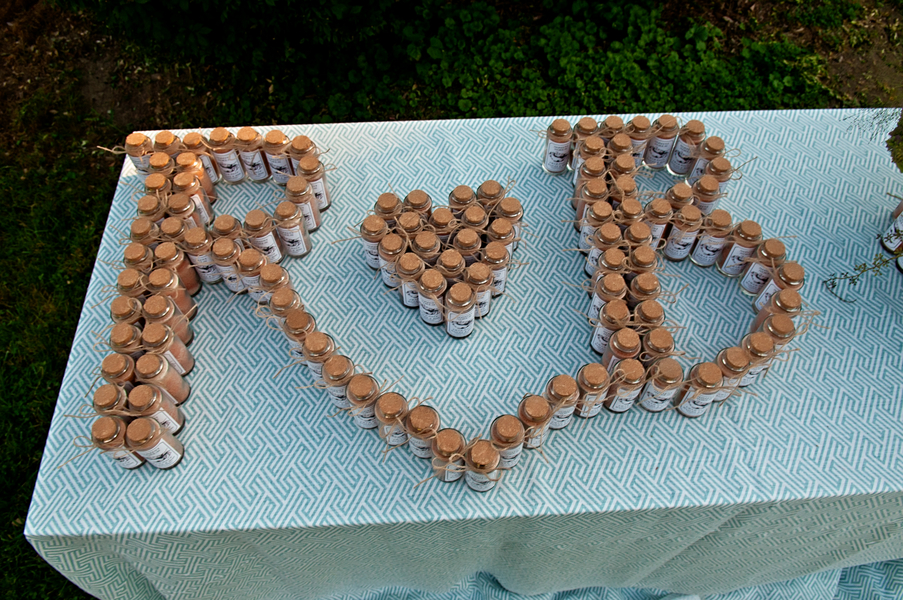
(274, 499)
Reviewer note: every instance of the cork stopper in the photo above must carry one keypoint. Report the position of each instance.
(106, 396)
(508, 428)
(271, 274)
(450, 259)
(219, 136)
(638, 232)
(660, 207)
(594, 144)
(491, 188)
(594, 375)
(601, 211)
(249, 259)
(317, 343)
(620, 143)
(735, 358)
(474, 216)
(141, 227)
(122, 334)
(707, 185)
(309, 164)
(140, 430)
(462, 194)
(148, 205)
(297, 320)
(708, 374)
(627, 339)
(782, 325)
(624, 163)
(129, 278)
(640, 123)
(418, 199)
(479, 274)
(689, 214)
(121, 307)
(609, 233)
(613, 257)
(667, 122)
(631, 369)
(159, 160)
(587, 125)
(460, 293)
(192, 140)
(560, 127)
(596, 188)
(720, 219)
(616, 310)
(449, 441)
(681, 191)
(149, 365)
(275, 138)
(425, 241)
(613, 122)
(361, 386)
(172, 227)
(373, 225)
(155, 182)
(195, 237)
(467, 238)
(114, 364)
(247, 135)
(794, 274)
(431, 280)
(388, 203)
(627, 185)
(695, 127)
(423, 419)
(135, 140)
(186, 159)
(283, 298)
(536, 408)
(749, 229)
(441, 217)
(646, 283)
(183, 180)
(105, 429)
(166, 252)
(495, 252)
(255, 219)
(501, 228)
(179, 203)
(409, 221)
(660, 340)
(160, 278)
(286, 210)
(760, 344)
(650, 311)
(714, 144)
(643, 256)
(154, 334)
(483, 455)
(613, 284)
(156, 306)
(141, 397)
(391, 405)
(302, 143)
(409, 263)
(594, 165)
(337, 367)
(773, 248)
(563, 386)
(223, 247)
(392, 243)
(720, 165)
(297, 185)
(668, 370)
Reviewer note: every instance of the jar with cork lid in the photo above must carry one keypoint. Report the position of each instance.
(623, 164)
(297, 326)
(126, 339)
(390, 249)
(713, 235)
(419, 202)
(481, 463)
(591, 147)
(658, 343)
(282, 300)
(501, 230)
(489, 194)
(149, 402)
(160, 339)
(108, 434)
(426, 245)
(786, 302)
(479, 277)
(558, 147)
(337, 372)
(460, 310)
(657, 216)
(788, 276)
(139, 147)
(169, 256)
(300, 148)
(678, 196)
(317, 348)
(627, 382)
(467, 242)
(649, 315)
(190, 163)
(610, 127)
(593, 192)
(665, 379)
(742, 243)
(606, 236)
(314, 172)
(613, 316)
(496, 257)
(119, 369)
(460, 199)
(535, 413)
(594, 217)
(173, 229)
(640, 131)
(733, 363)
(158, 185)
(706, 194)
(199, 248)
(161, 309)
(686, 146)
(659, 146)
(451, 264)
(131, 283)
(110, 400)
(155, 370)
(222, 143)
(710, 149)
(144, 231)
(250, 263)
(638, 234)
(780, 328)
(760, 348)
(226, 226)
(699, 391)
(373, 230)
(720, 168)
(152, 208)
(442, 223)
(292, 229)
(225, 256)
(168, 142)
(125, 309)
(388, 207)
(167, 283)
(272, 279)
(448, 455)
(422, 425)
(608, 288)
(624, 344)
(475, 218)
(362, 392)
(594, 167)
(512, 210)
(619, 144)
(275, 144)
(260, 231)
(562, 393)
(586, 127)
(391, 410)
(431, 287)
(644, 286)
(761, 266)
(507, 436)
(684, 230)
(592, 383)
(250, 150)
(624, 190)
(643, 259)
(197, 145)
(181, 207)
(408, 270)
(299, 192)
(157, 446)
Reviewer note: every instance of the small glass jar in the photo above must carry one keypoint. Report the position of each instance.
(260, 230)
(167, 283)
(460, 305)
(126, 339)
(448, 455)
(388, 207)
(157, 446)
(769, 255)
(640, 131)
(317, 348)
(430, 288)
(154, 369)
(162, 163)
(131, 283)
(144, 231)
(189, 184)
(419, 202)
(788, 276)
(611, 261)
(390, 249)
(593, 167)
(451, 265)
(785, 302)
(196, 144)
(467, 242)
(561, 392)
(658, 343)
(593, 192)
(275, 144)
(760, 348)
(139, 148)
(780, 328)
(657, 215)
(643, 259)
(624, 189)
(408, 225)
(623, 164)
(125, 309)
(272, 279)
(558, 147)
(443, 223)
(592, 383)
(298, 324)
(479, 277)
(684, 230)
(744, 240)
(160, 339)
(606, 236)
(664, 381)
(158, 185)
(173, 258)
(624, 344)
(189, 162)
(644, 286)
(299, 192)
(496, 257)
(489, 194)
(535, 413)
(511, 209)
(460, 199)
(292, 229)
(250, 263)
(373, 230)
(283, 300)
(699, 390)
(586, 127)
(224, 153)
(300, 148)
(226, 252)
(408, 270)
(362, 392)
(180, 206)
(683, 155)
(149, 402)
(110, 400)
(613, 316)
(595, 216)
(152, 208)
(733, 363)
(161, 309)
(426, 245)
(422, 425)
(391, 410)
(507, 436)
(591, 147)
(678, 196)
(638, 234)
(610, 127)
(337, 372)
(481, 463)
(711, 148)
(476, 218)
(627, 382)
(168, 142)
(250, 151)
(720, 168)
(649, 315)
(108, 434)
(619, 144)
(608, 288)
(659, 146)
(716, 227)
(199, 249)
(314, 172)
(705, 194)
(501, 230)
(119, 369)
(173, 230)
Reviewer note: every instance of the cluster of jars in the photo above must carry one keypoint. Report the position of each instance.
(448, 262)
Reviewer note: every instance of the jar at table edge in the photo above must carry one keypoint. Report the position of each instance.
(612, 260)
(760, 349)
(640, 131)
(168, 142)
(275, 143)
(481, 463)
(166, 282)
(144, 231)
(561, 392)
(476, 218)
(298, 324)
(592, 383)
(789, 276)
(657, 216)
(489, 194)
(627, 381)
(158, 338)
(535, 413)
(151, 207)
(720, 168)
(712, 237)
(150, 402)
(199, 248)
(362, 392)
(158, 185)
(155, 370)
(226, 226)
(283, 300)
(507, 436)
(161, 309)
(511, 209)
(496, 257)
(612, 317)
(292, 229)
(108, 434)
(373, 229)
(139, 148)
(684, 230)
(785, 302)
(624, 344)
(125, 309)
(419, 202)
(451, 265)
(479, 277)
(649, 315)
(657, 343)
(644, 286)
(558, 147)
(467, 242)
(388, 207)
(250, 150)
(711, 148)
(272, 279)
(743, 241)
(337, 372)
(131, 283)
(222, 144)
(118, 369)
(624, 188)
(642, 259)
(665, 378)
(226, 252)
(317, 348)
(314, 172)
(430, 287)
(408, 269)
(422, 425)
(769, 255)
(448, 455)
(705, 194)
(659, 146)
(683, 155)
(595, 216)
(426, 245)
(298, 191)
(408, 225)
(610, 127)
(608, 235)
(189, 162)
(460, 310)
(109, 400)
(260, 231)
(169, 256)
(699, 390)
(391, 410)
(154, 444)
(594, 167)
(460, 199)
(733, 363)
(608, 288)
(250, 262)
(390, 250)
(195, 143)
(591, 193)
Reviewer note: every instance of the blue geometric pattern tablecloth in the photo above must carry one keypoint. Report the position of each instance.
(274, 499)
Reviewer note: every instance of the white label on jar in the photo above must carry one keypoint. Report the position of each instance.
(232, 278)
(698, 404)
(268, 245)
(509, 457)
(499, 277)
(252, 283)
(296, 164)
(728, 383)
(517, 229)
(253, 161)
(460, 324)
(771, 288)
(682, 157)
(421, 448)
(757, 276)
(752, 374)
(483, 299)
(393, 435)
(706, 207)
(410, 297)
(654, 399)
(307, 212)
(319, 189)
(125, 458)
(562, 417)
(596, 305)
(453, 474)
(586, 234)
(736, 259)
(338, 395)
(166, 421)
(679, 243)
(365, 422)
(707, 250)
(576, 165)
(623, 399)
(599, 341)
(387, 270)
(591, 406)
(199, 209)
(162, 455)
(212, 175)
(557, 153)
(429, 311)
(698, 170)
(294, 240)
(280, 167)
(657, 230)
(229, 166)
(535, 438)
(316, 368)
(371, 253)
(480, 482)
(657, 152)
(142, 163)
(174, 363)
(208, 271)
(637, 151)
(592, 260)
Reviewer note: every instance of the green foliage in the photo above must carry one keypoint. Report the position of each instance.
(826, 14)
